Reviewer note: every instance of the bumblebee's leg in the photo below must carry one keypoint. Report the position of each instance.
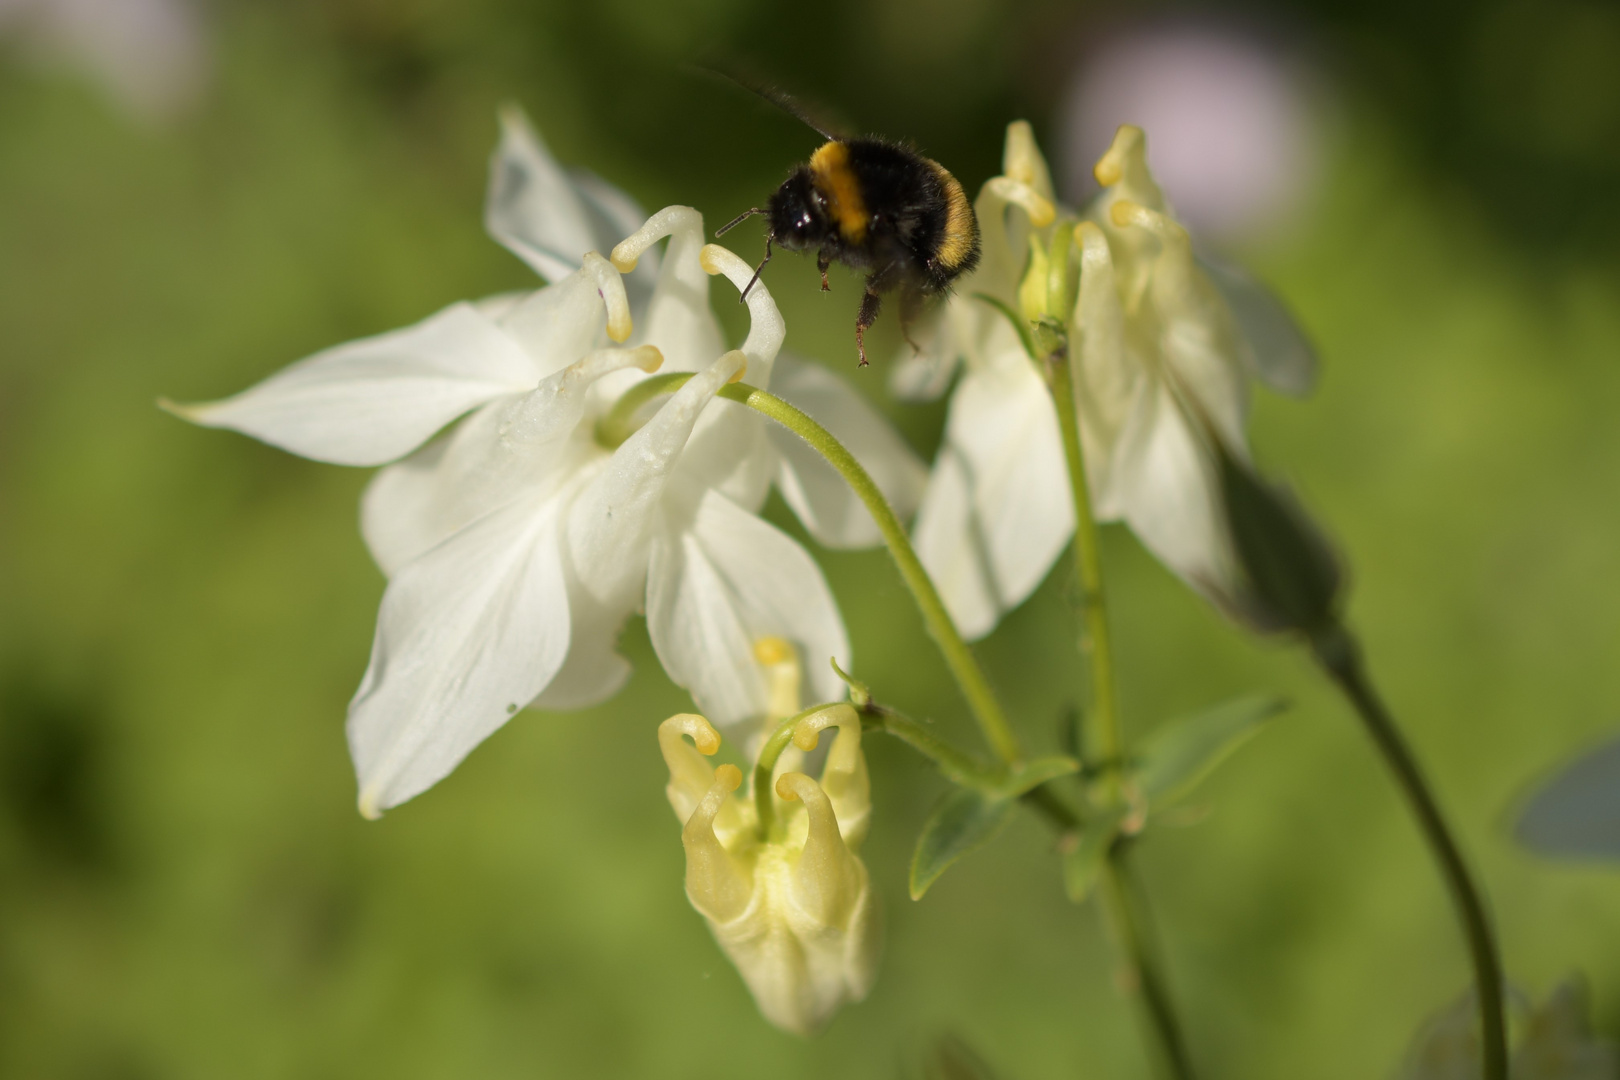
(823, 261)
(870, 303)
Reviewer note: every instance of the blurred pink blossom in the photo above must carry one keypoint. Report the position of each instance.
(151, 56)
(1227, 115)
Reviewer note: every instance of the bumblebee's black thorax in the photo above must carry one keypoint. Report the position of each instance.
(874, 205)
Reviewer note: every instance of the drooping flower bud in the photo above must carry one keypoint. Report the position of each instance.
(793, 908)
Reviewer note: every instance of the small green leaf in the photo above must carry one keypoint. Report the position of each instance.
(1082, 865)
(1182, 753)
(964, 821)
(1038, 772)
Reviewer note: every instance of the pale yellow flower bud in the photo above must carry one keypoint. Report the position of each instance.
(793, 910)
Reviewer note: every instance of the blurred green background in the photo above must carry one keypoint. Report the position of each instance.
(185, 887)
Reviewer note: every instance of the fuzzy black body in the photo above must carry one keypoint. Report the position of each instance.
(880, 207)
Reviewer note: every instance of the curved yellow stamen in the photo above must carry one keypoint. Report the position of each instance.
(1039, 208)
(611, 287)
(667, 222)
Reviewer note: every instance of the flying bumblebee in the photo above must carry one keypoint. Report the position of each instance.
(877, 206)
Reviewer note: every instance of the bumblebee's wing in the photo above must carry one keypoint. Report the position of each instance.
(813, 118)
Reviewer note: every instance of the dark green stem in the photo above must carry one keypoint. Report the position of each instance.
(1339, 655)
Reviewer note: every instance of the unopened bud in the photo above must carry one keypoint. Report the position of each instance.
(1294, 580)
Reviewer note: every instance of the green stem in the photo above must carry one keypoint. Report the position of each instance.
(1107, 742)
(1144, 978)
(956, 766)
(765, 765)
(958, 657)
(1146, 982)
(1339, 656)
(619, 423)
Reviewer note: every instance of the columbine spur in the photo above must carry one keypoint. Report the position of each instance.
(1165, 343)
(517, 542)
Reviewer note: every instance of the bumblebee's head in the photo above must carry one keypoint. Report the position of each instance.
(798, 213)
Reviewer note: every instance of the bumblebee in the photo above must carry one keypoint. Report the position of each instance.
(877, 206)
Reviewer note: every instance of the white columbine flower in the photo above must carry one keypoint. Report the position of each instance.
(518, 542)
(1163, 345)
(793, 908)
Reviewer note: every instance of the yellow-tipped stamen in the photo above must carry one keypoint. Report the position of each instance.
(693, 726)
(742, 365)
(1039, 208)
(690, 774)
(844, 777)
(807, 732)
(667, 222)
(611, 288)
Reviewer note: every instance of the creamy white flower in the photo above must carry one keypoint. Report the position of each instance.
(794, 908)
(1161, 351)
(517, 543)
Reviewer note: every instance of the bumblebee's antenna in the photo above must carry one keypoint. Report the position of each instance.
(734, 222)
(758, 269)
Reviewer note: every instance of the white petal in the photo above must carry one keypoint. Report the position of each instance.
(1109, 376)
(550, 217)
(593, 671)
(558, 324)
(952, 551)
(520, 444)
(1004, 433)
(1167, 490)
(720, 579)
(1278, 353)
(467, 634)
(373, 400)
(610, 524)
(813, 488)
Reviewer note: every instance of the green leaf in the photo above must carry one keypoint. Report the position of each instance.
(1082, 865)
(1182, 753)
(1038, 772)
(964, 821)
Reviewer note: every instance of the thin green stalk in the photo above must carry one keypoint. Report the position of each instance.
(1107, 743)
(618, 424)
(969, 676)
(958, 767)
(1335, 649)
(1128, 918)
(1143, 978)
(764, 805)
